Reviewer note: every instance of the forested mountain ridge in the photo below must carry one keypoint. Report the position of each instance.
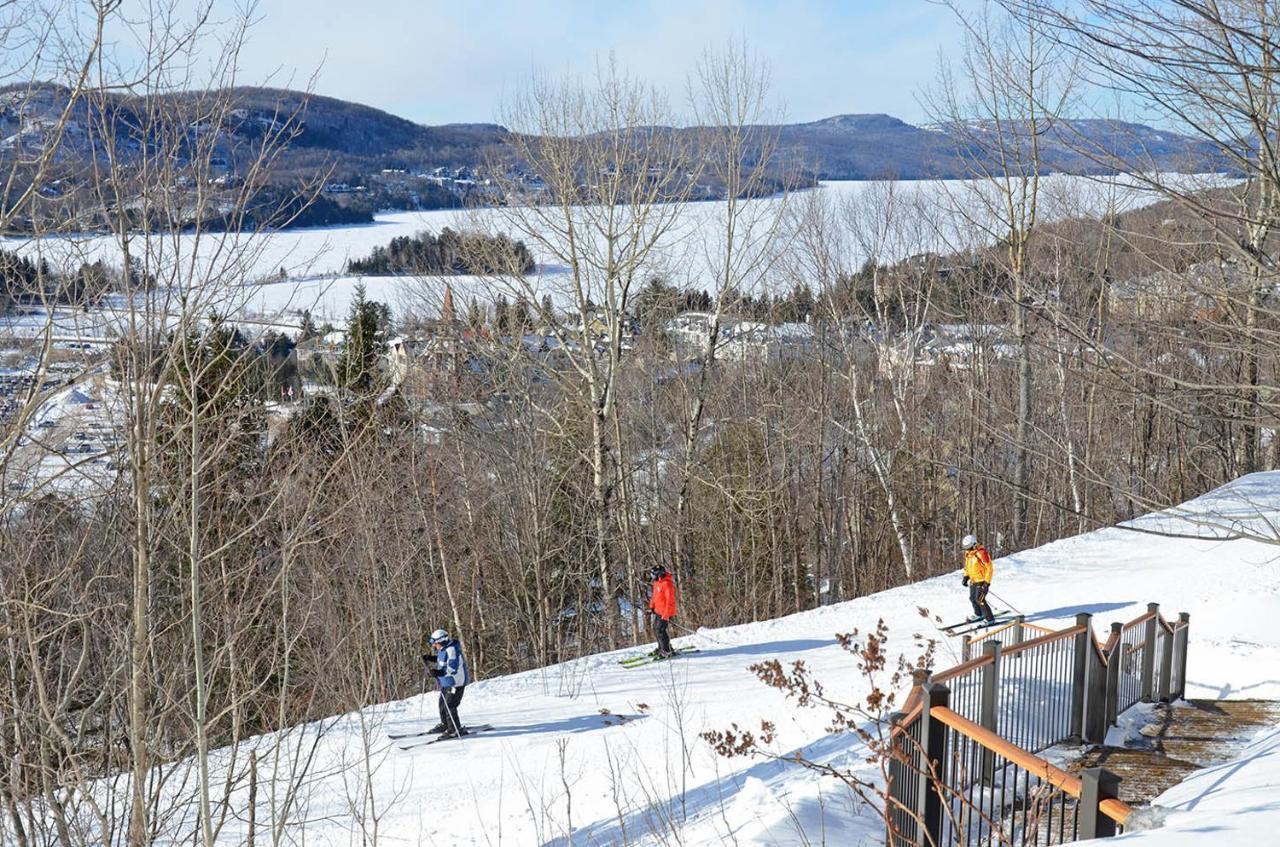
(353, 138)
(368, 159)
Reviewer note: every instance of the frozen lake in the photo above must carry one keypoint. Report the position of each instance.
(280, 274)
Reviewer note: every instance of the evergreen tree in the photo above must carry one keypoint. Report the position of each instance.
(475, 317)
(521, 319)
(806, 304)
(358, 370)
(308, 327)
(656, 304)
(501, 316)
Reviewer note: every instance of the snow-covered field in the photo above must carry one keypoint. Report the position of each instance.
(314, 260)
(590, 753)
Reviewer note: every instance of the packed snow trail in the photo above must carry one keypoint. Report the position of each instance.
(590, 752)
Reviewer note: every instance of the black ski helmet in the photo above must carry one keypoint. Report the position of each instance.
(657, 572)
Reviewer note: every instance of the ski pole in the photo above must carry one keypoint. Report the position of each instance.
(700, 634)
(422, 701)
(1015, 609)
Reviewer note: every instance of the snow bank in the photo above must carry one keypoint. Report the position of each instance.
(1233, 803)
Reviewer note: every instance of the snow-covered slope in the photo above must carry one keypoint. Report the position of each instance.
(591, 753)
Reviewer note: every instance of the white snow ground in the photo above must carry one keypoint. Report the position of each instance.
(590, 753)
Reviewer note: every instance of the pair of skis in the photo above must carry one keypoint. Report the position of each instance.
(650, 658)
(410, 740)
(968, 627)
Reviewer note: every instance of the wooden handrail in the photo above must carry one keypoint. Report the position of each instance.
(1140, 619)
(1045, 639)
(1117, 810)
(962, 668)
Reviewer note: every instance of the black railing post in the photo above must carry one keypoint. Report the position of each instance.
(1115, 659)
(1180, 642)
(1166, 665)
(920, 677)
(1149, 655)
(988, 714)
(897, 790)
(1080, 674)
(1095, 704)
(933, 740)
(1097, 785)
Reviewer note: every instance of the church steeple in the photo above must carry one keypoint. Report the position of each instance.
(447, 316)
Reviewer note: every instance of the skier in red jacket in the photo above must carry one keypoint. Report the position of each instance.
(663, 605)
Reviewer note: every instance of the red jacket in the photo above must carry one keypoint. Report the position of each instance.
(663, 601)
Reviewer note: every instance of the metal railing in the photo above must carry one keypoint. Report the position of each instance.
(1014, 632)
(1020, 696)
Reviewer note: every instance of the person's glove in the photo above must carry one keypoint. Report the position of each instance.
(437, 672)
(964, 580)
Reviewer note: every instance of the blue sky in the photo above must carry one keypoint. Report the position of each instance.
(439, 62)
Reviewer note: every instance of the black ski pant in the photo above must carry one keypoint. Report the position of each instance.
(449, 700)
(978, 597)
(660, 631)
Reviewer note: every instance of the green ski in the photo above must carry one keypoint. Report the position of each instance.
(650, 658)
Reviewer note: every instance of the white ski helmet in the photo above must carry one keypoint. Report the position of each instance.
(969, 542)
(439, 636)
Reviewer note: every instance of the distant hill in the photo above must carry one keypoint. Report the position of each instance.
(870, 147)
(377, 160)
(882, 146)
(354, 131)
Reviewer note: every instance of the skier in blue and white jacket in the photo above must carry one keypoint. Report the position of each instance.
(449, 667)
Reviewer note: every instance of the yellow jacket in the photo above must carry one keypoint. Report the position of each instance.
(977, 565)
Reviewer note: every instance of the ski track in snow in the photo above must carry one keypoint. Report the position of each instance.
(638, 772)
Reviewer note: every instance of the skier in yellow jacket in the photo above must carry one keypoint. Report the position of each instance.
(978, 572)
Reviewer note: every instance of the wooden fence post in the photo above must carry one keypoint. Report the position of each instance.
(920, 677)
(899, 774)
(1149, 655)
(933, 740)
(1097, 785)
(1180, 642)
(1095, 704)
(1114, 660)
(988, 714)
(1080, 674)
(1166, 665)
